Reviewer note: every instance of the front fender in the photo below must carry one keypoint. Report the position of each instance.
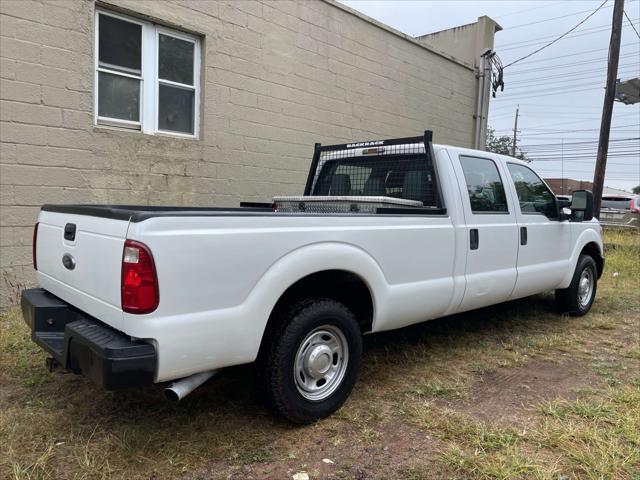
(585, 237)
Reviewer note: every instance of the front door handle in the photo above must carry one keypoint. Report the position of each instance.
(523, 235)
(474, 239)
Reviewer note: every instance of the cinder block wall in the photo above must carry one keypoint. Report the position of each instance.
(276, 77)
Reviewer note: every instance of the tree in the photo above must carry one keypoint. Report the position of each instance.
(636, 190)
(502, 145)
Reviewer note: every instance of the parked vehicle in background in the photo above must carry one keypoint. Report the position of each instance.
(620, 211)
(388, 233)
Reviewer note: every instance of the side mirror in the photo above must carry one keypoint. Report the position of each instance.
(582, 206)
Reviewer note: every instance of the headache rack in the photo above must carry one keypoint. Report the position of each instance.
(395, 176)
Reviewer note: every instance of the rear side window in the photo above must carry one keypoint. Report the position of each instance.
(534, 196)
(484, 185)
(408, 177)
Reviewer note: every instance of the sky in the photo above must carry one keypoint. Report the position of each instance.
(560, 90)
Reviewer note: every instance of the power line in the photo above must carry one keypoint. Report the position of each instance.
(631, 23)
(559, 38)
(578, 72)
(549, 19)
(589, 61)
(577, 76)
(580, 33)
(528, 10)
(523, 43)
(537, 93)
(576, 54)
(582, 143)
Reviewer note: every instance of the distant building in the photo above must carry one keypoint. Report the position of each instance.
(566, 186)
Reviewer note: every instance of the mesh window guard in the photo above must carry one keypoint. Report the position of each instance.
(398, 168)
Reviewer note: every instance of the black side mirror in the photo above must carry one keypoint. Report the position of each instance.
(582, 206)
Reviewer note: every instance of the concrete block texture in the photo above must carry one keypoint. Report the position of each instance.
(275, 78)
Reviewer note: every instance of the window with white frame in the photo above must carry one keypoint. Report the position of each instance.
(146, 76)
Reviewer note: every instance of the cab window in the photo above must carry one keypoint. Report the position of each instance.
(534, 196)
(484, 185)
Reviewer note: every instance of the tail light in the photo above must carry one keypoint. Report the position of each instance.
(633, 207)
(140, 293)
(33, 246)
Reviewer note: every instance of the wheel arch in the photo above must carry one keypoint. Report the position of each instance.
(590, 243)
(342, 272)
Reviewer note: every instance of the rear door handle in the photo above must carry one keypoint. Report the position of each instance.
(474, 239)
(523, 235)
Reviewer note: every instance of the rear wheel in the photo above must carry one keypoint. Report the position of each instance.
(312, 363)
(576, 300)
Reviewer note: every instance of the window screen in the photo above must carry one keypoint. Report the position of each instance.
(484, 185)
(533, 194)
(399, 176)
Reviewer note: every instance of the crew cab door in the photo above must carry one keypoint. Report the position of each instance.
(545, 241)
(492, 232)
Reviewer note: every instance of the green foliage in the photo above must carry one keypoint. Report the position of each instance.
(636, 189)
(502, 145)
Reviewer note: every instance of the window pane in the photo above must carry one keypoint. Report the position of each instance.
(118, 97)
(175, 59)
(175, 109)
(120, 44)
(394, 176)
(533, 194)
(486, 191)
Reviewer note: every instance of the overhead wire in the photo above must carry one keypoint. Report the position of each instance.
(528, 10)
(558, 38)
(631, 23)
(550, 19)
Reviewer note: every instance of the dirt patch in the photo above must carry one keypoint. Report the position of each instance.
(392, 446)
(503, 394)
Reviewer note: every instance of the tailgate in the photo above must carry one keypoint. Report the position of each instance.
(89, 278)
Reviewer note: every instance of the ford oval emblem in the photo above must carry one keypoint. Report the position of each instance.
(68, 261)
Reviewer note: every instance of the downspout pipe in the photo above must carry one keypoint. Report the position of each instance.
(478, 141)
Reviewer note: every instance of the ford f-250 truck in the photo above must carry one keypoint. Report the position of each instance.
(387, 234)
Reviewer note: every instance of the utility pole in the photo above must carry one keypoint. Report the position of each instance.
(515, 133)
(607, 108)
(562, 166)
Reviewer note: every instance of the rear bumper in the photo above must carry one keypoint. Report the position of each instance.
(85, 345)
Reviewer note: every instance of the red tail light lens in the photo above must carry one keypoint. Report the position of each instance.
(140, 293)
(633, 207)
(33, 246)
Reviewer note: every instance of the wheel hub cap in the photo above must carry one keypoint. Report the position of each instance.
(585, 288)
(318, 361)
(321, 362)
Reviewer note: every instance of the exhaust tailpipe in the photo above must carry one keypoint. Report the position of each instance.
(183, 387)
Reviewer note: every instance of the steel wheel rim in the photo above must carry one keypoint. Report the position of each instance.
(585, 287)
(321, 362)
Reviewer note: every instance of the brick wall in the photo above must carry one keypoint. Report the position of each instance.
(276, 77)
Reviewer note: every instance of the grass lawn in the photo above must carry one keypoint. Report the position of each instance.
(511, 391)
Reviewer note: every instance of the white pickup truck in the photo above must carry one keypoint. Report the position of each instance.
(388, 233)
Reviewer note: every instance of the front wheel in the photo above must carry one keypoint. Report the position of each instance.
(576, 300)
(312, 362)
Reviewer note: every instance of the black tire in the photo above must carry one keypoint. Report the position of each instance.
(281, 388)
(569, 299)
